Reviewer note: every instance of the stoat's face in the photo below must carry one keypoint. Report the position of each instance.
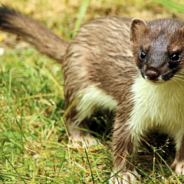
(158, 49)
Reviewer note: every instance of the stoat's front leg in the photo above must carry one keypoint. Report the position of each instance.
(178, 164)
(124, 146)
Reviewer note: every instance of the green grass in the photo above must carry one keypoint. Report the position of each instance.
(34, 143)
(35, 147)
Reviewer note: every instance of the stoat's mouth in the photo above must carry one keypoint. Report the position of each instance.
(162, 74)
(163, 78)
(177, 78)
(156, 76)
(152, 75)
(156, 81)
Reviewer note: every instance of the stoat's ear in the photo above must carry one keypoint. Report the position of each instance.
(181, 32)
(137, 28)
(182, 29)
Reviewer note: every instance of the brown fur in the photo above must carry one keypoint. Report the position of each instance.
(123, 149)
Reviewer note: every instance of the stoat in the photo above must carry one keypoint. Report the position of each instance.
(132, 67)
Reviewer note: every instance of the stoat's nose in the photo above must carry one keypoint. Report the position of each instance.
(152, 74)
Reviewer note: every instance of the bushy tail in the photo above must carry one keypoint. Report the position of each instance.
(33, 32)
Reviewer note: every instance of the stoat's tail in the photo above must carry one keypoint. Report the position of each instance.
(33, 32)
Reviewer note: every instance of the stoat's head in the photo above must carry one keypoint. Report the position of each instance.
(158, 48)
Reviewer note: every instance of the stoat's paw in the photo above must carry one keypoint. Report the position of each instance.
(89, 141)
(178, 167)
(85, 141)
(124, 178)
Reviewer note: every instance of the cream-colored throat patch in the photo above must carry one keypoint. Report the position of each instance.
(157, 106)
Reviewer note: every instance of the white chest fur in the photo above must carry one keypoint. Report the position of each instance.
(93, 99)
(158, 106)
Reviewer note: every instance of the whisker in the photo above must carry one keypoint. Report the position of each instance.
(178, 80)
(179, 76)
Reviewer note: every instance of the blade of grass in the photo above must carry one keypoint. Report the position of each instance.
(171, 4)
(14, 169)
(82, 11)
(168, 167)
(89, 166)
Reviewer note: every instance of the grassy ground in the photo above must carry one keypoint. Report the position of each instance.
(34, 143)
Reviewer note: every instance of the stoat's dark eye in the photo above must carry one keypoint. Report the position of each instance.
(175, 57)
(174, 60)
(142, 55)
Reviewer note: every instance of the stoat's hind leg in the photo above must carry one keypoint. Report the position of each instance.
(78, 129)
(92, 99)
(80, 134)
